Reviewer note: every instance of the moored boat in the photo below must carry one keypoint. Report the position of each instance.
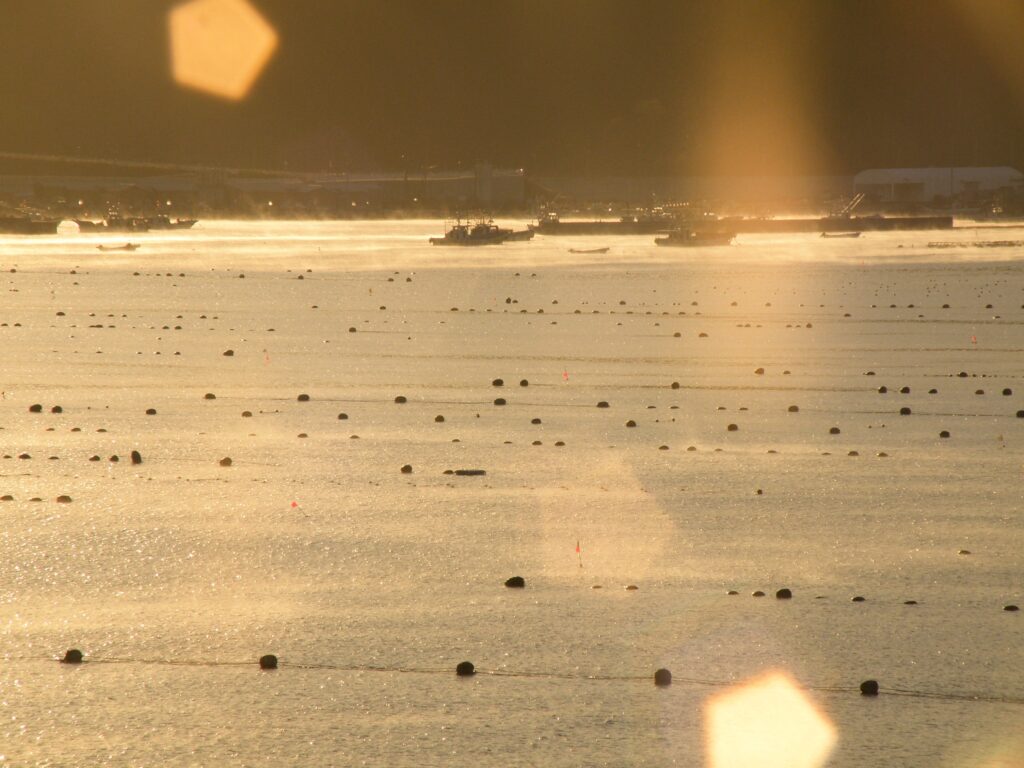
(125, 247)
(840, 234)
(513, 236)
(26, 225)
(113, 224)
(481, 233)
(164, 222)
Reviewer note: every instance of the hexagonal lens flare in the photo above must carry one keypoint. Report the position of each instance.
(219, 46)
(767, 722)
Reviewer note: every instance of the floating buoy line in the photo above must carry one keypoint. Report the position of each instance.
(662, 678)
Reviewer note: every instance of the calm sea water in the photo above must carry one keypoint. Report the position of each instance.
(174, 575)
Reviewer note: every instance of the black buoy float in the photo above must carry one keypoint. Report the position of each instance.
(498, 383)
(465, 669)
(269, 661)
(516, 582)
(136, 457)
(904, 411)
(603, 404)
(72, 656)
(407, 469)
(36, 408)
(524, 383)
(783, 594)
(869, 688)
(303, 398)
(662, 678)
(1010, 608)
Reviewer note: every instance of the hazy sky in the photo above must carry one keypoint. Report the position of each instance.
(555, 86)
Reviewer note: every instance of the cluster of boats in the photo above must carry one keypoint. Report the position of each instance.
(36, 225)
(114, 223)
(486, 232)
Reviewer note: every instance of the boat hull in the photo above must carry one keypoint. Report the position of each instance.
(14, 225)
(601, 227)
(696, 239)
(467, 241)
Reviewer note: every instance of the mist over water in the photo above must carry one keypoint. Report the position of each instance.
(370, 585)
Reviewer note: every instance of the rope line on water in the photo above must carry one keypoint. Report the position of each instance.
(540, 675)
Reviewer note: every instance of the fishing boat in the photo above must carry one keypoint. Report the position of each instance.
(481, 233)
(689, 238)
(113, 223)
(522, 235)
(840, 234)
(589, 250)
(125, 247)
(164, 222)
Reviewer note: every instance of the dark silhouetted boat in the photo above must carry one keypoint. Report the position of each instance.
(690, 238)
(481, 233)
(513, 236)
(840, 234)
(164, 222)
(113, 224)
(125, 247)
(27, 225)
(589, 250)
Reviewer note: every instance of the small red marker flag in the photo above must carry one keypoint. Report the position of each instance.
(577, 547)
(295, 504)
(565, 375)
(974, 339)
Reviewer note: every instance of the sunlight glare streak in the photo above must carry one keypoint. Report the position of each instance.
(995, 26)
